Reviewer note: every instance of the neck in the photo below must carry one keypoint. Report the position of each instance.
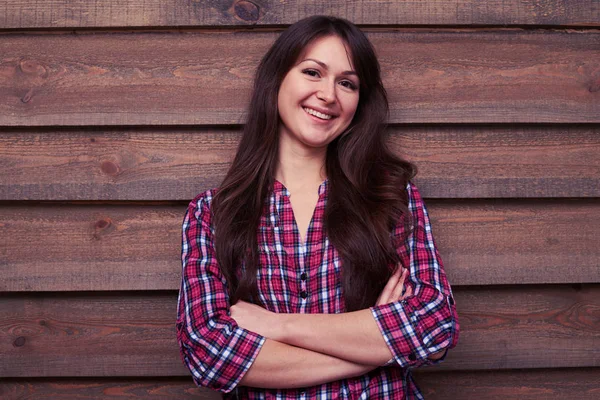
(300, 167)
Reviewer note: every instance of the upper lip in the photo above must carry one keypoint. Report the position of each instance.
(321, 110)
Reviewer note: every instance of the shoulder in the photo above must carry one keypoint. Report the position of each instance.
(200, 204)
(413, 195)
(412, 191)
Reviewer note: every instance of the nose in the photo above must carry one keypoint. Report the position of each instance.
(326, 92)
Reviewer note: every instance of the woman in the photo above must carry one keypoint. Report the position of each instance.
(312, 272)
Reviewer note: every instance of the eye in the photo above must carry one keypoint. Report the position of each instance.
(311, 72)
(348, 84)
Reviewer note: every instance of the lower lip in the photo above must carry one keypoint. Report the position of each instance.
(317, 119)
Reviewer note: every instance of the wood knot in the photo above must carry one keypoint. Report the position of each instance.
(19, 342)
(27, 98)
(32, 67)
(102, 224)
(103, 227)
(247, 10)
(109, 168)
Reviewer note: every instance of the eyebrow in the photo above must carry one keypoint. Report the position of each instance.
(322, 64)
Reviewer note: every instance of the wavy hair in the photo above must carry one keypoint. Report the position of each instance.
(366, 181)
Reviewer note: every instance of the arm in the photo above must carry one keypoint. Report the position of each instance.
(330, 334)
(218, 352)
(214, 348)
(420, 329)
(415, 330)
(279, 365)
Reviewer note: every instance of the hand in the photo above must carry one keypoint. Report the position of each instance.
(256, 319)
(393, 289)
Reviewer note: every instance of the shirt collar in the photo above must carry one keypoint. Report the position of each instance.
(280, 190)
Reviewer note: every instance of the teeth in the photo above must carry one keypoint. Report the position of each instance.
(317, 114)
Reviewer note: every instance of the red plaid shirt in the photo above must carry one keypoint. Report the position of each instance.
(293, 278)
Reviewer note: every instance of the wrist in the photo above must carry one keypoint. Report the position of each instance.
(281, 327)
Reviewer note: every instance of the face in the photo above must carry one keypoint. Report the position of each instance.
(319, 95)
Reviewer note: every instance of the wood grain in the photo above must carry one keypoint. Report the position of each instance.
(126, 334)
(155, 388)
(547, 384)
(81, 247)
(468, 161)
(151, 13)
(179, 78)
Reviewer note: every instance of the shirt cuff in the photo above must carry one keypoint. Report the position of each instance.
(402, 325)
(231, 362)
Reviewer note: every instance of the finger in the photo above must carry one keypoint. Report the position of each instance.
(408, 292)
(232, 311)
(397, 292)
(389, 287)
(387, 293)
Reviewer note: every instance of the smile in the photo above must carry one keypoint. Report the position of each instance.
(317, 113)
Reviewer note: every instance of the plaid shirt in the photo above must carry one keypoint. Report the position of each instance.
(293, 278)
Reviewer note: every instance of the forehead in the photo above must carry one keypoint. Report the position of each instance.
(331, 50)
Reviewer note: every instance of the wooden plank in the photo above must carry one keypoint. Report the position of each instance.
(518, 242)
(453, 162)
(104, 388)
(72, 247)
(547, 384)
(123, 334)
(500, 162)
(179, 78)
(149, 13)
(83, 247)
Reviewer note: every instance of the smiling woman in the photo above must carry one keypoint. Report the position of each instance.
(312, 271)
(318, 96)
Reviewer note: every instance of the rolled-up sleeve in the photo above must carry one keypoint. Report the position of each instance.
(215, 349)
(426, 322)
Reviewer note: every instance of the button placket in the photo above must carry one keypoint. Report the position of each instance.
(303, 289)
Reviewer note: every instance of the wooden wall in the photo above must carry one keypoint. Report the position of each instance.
(113, 115)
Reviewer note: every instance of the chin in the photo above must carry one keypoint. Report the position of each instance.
(318, 139)
(316, 142)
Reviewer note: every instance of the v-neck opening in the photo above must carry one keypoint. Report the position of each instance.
(280, 187)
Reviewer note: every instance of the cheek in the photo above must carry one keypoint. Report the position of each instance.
(283, 101)
(288, 96)
(350, 107)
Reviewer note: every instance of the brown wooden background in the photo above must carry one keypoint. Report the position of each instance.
(113, 115)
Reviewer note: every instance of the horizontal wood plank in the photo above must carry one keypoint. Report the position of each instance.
(67, 247)
(149, 13)
(155, 388)
(179, 78)
(99, 334)
(547, 384)
(468, 161)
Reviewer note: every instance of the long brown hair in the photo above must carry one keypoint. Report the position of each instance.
(366, 181)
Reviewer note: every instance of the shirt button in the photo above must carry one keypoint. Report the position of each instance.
(412, 357)
(303, 294)
(303, 276)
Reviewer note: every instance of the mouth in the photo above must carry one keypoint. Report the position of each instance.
(318, 114)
